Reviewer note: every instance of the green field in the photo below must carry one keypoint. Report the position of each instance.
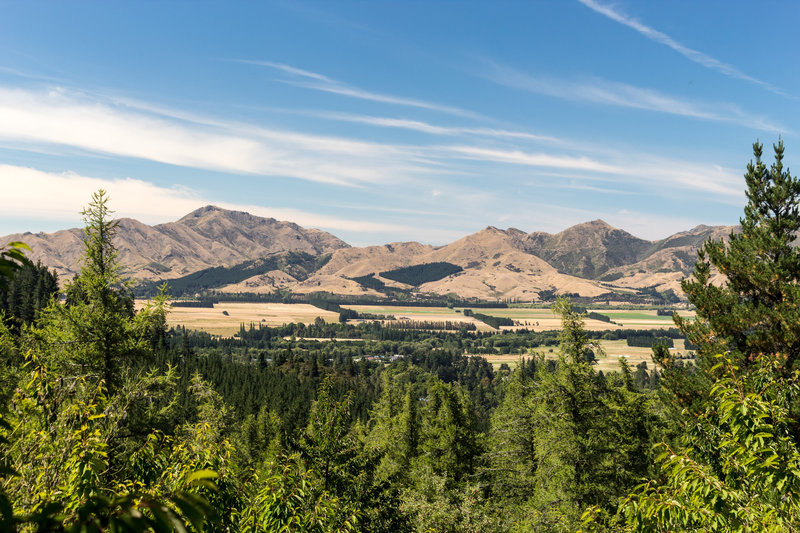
(642, 318)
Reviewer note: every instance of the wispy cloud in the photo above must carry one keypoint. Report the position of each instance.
(668, 176)
(691, 54)
(294, 71)
(76, 124)
(578, 187)
(625, 95)
(433, 129)
(519, 157)
(647, 170)
(319, 82)
(67, 192)
(649, 225)
(62, 118)
(554, 218)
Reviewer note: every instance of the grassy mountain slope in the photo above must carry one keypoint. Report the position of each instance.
(213, 248)
(205, 238)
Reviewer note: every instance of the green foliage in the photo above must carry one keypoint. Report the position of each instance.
(370, 282)
(12, 258)
(435, 505)
(647, 341)
(322, 300)
(24, 297)
(429, 325)
(493, 321)
(395, 422)
(752, 486)
(327, 443)
(259, 438)
(113, 423)
(93, 440)
(98, 319)
(418, 274)
(448, 441)
(736, 464)
(58, 452)
(573, 339)
(336, 453)
(611, 277)
(565, 437)
(290, 499)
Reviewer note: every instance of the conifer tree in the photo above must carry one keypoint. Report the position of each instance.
(24, 297)
(755, 313)
(98, 320)
(409, 428)
(735, 465)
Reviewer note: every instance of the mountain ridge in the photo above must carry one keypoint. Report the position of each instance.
(589, 259)
(206, 237)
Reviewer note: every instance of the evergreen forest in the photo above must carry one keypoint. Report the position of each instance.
(112, 421)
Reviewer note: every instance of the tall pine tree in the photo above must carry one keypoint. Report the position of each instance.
(755, 313)
(734, 466)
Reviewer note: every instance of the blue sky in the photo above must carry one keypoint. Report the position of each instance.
(389, 121)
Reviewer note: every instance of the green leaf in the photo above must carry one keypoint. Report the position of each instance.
(201, 475)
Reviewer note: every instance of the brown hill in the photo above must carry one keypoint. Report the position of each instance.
(588, 259)
(669, 261)
(586, 250)
(493, 267)
(207, 237)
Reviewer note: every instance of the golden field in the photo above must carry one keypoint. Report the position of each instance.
(215, 322)
(607, 363)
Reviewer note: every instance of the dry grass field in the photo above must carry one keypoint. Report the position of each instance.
(608, 363)
(634, 355)
(543, 319)
(538, 319)
(215, 322)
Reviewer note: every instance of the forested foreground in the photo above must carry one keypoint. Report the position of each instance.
(112, 422)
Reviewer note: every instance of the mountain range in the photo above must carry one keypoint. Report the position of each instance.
(234, 251)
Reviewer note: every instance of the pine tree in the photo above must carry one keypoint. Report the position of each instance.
(735, 465)
(24, 297)
(98, 323)
(755, 313)
(409, 427)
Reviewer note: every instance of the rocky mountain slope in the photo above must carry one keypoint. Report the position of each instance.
(207, 237)
(492, 267)
(587, 250)
(238, 252)
(589, 259)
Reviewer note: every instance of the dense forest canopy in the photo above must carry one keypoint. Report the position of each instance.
(111, 421)
(419, 274)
